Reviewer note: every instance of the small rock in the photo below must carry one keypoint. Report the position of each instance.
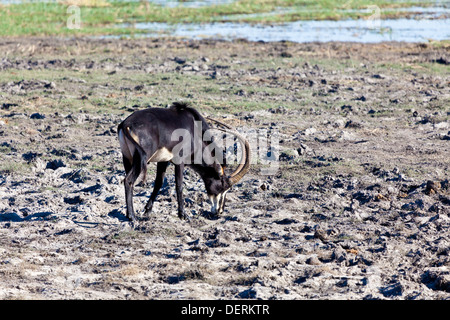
(179, 60)
(55, 164)
(288, 155)
(50, 85)
(286, 221)
(321, 234)
(97, 188)
(37, 116)
(64, 231)
(309, 131)
(339, 123)
(444, 199)
(392, 290)
(265, 186)
(286, 54)
(256, 292)
(30, 156)
(279, 110)
(304, 150)
(339, 255)
(437, 278)
(77, 176)
(6, 106)
(379, 76)
(248, 294)
(347, 108)
(353, 124)
(314, 261)
(441, 125)
(442, 60)
(347, 136)
(215, 75)
(432, 187)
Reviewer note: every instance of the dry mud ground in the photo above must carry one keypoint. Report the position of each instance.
(359, 208)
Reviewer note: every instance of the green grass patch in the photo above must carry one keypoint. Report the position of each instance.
(420, 67)
(118, 18)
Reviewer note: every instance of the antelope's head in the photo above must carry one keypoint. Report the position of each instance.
(219, 183)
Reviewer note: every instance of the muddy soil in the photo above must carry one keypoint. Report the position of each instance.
(358, 208)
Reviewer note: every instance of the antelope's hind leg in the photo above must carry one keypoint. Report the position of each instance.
(129, 183)
(133, 172)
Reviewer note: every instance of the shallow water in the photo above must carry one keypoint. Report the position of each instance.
(369, 31)
(423, 26)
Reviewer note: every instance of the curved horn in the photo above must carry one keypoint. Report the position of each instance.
(243, 168)
(220, 122)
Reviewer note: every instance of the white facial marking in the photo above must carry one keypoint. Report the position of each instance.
(215, 203)
(222, 201)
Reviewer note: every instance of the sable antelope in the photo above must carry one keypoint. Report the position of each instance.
(148, 136)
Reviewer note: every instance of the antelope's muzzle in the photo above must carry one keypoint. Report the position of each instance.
(217, 202)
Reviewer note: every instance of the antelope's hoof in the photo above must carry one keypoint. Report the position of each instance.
(146, 214)
(131, 219)
(148, 209)
(184, 216)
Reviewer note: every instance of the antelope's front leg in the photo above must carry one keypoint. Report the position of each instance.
(160, 172)
(179, 168)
